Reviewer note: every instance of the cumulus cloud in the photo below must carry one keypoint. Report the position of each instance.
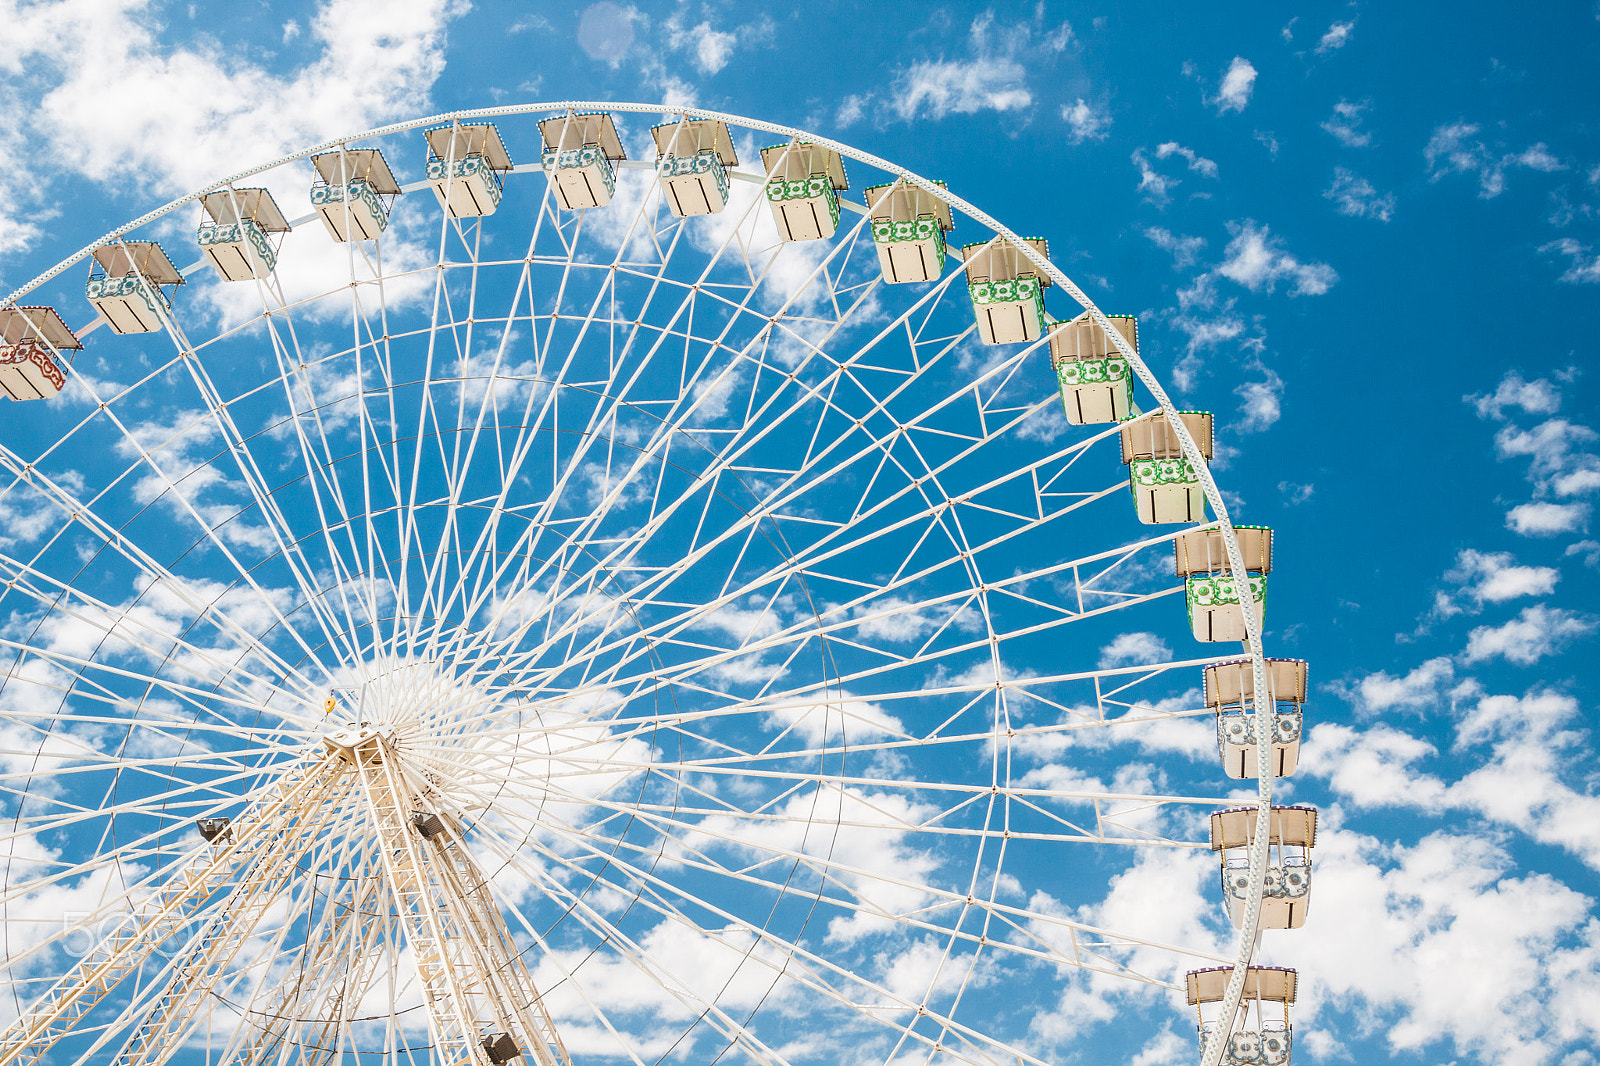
(1238, 83)
(1130, 648)
(1536, 633)
(1209, 321)
(1537, 397)
(853, 720)
(1423, 687)
(710, 47)
(1583, 268)
(1197, 162)
(1257, 260)
(1345, 124)
(1184, 249)
(1587, 550)
(1456, 946)
(1545, 519)
(1261, 403)
(1561, 463)
(183, 116)
(1491, 577)
(1374, 767)
(1457, 149)
(1357, 197)
(1337, 37)
(1293, 494)
(939, 88)
(1552, 446)
(993, 78)
(1086, 121)
(1154, 186)
(1523, 768)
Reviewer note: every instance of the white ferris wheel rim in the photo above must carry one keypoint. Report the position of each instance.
(1255, 653)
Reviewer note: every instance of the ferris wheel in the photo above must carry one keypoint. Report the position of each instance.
(643, 604)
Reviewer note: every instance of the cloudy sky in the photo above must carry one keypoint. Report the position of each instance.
(1368, 238)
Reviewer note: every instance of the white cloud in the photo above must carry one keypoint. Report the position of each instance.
(1209, 321)
(1524, 783)
(1584, 269)
(992, 77)
(1538, 157)
(1130, 648)
(1457, 149)
(934, 89)
(1422, 687)
(1537, 397)
(1257, 260)
(851, 110)
(853, 720)
(1086, 121)
(1359, 198)
(1491, 577)
(995, 78)
(1588, 549)
(1262, 403)
(1372, 768)
(1295, 494)
(1345, 124)
(897, 620)
(1337, 37)
(871, 837)
(1524, 779)
(1197, 162)
(711, 48)
(1577, 482)
(183, 116)
(1544, 519)
(1154, 186)
(1537, 632)
(1184, 249)
(1238, 82)
(1551, 445)
(1438, 942)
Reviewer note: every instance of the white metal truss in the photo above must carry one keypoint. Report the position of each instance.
(310, 1007)
(473, 978)
(267, 841)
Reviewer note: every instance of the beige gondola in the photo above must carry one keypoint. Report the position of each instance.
(239, 233)
(1095, 379)
(130, 285)
(1216, 611)
(353, 193)
(692, 161)
(580, 156)
(803, 185)
(1166, 487)
(1230, 689)
(1007, 290)
(31, 342)
(1260, 1033)
(1291, 836)
(465, 164)
(908, 227)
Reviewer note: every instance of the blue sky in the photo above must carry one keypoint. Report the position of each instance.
(1366, 237)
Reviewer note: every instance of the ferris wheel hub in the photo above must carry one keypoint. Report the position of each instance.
(361, 745)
